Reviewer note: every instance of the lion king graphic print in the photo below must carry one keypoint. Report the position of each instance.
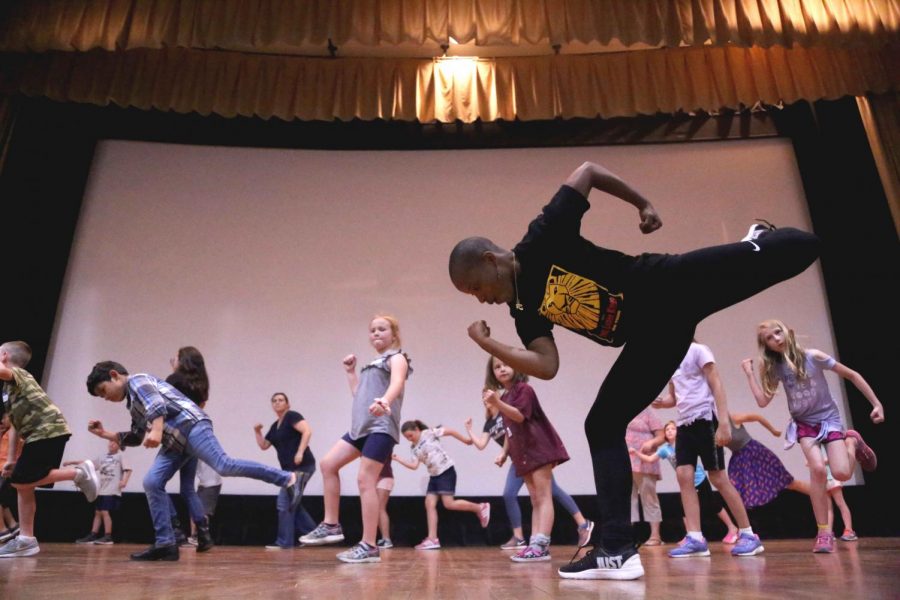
(580, 304)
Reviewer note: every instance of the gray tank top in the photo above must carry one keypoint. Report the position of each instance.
(374, 379)
(739, 437)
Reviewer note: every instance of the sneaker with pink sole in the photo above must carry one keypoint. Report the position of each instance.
(484, 514)
(865, 456)
(824, 543)
(429, 544)
(532, 553)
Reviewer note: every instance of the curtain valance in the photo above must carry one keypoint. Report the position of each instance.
(293, 26)
(527, 88)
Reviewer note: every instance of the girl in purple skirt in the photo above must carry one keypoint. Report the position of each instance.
(753, 469)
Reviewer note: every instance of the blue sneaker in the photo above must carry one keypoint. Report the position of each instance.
(747, 545)
(690, 547)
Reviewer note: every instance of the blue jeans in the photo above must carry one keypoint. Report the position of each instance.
(293, 524)
(202, 444)
(514, 483)
(187, 473)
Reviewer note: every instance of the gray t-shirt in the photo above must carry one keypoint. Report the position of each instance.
(739, 436)
(374, 379)
(110, 470)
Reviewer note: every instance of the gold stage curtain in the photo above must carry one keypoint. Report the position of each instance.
(294, 26)
(526, 88)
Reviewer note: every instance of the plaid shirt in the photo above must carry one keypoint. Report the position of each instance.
(149, 398)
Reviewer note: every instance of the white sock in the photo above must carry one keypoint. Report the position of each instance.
(697, 535)
(747, 530)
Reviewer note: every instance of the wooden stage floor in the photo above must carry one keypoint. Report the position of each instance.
(868, 569)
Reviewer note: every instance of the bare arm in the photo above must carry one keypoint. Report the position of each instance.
(723, 431)
(762, 398)
(126, 475)
(592, 176)
(647, 458)
(455, 434)
(409, 464)
(877, 414)
(501, 458)
(349, 363)
(540, 359)
(96, 427)
(740, 418)
(507, 410)
(480, 440)
(262, 442)
(650, 446)
(666, 399)
(305, 435)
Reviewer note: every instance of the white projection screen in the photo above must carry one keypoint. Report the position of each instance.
(273, 261)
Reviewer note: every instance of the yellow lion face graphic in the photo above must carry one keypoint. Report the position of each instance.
(579, 304)
(571, 300)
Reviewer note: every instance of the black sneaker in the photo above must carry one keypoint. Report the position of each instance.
(597, 563)
(106, 540)
(88, 539)
(169, 553)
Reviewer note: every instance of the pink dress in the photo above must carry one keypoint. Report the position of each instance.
(641, 430)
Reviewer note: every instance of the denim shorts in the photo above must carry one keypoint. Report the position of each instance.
(443, 484)
(377, 446)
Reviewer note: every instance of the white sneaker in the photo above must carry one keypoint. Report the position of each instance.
(20, 546)
(484, 514)
(86, 480)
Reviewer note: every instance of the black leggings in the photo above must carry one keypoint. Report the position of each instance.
(666, 302)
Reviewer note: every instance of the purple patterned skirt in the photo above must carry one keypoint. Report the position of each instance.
(758, 474)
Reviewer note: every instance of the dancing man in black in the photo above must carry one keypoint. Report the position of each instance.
(649, 304)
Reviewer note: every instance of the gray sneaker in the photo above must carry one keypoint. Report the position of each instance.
(360, 553)
(19, 546)
(323, 534)
(86, 480)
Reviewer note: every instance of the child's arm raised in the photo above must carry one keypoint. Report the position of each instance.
(455, 434)
(481, 440)
(409, 464)
(877, 414)
(740, 418)
(492, 398)
(762, 398)
(349, 363)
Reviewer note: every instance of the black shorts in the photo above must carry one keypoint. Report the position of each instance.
(7, 494)
(38, 459)
(698, 440)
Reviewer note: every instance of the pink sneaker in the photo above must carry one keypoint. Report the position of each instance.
(484, 514)
(429, 544)
(824, 543)
(731, 538)
(531, 554)
(865, 456)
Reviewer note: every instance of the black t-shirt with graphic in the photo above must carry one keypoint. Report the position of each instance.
(495, 428)
(567, 280)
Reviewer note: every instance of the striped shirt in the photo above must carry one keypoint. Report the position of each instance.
(149, 398)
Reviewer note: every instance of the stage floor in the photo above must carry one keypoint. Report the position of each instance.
(868, 569)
